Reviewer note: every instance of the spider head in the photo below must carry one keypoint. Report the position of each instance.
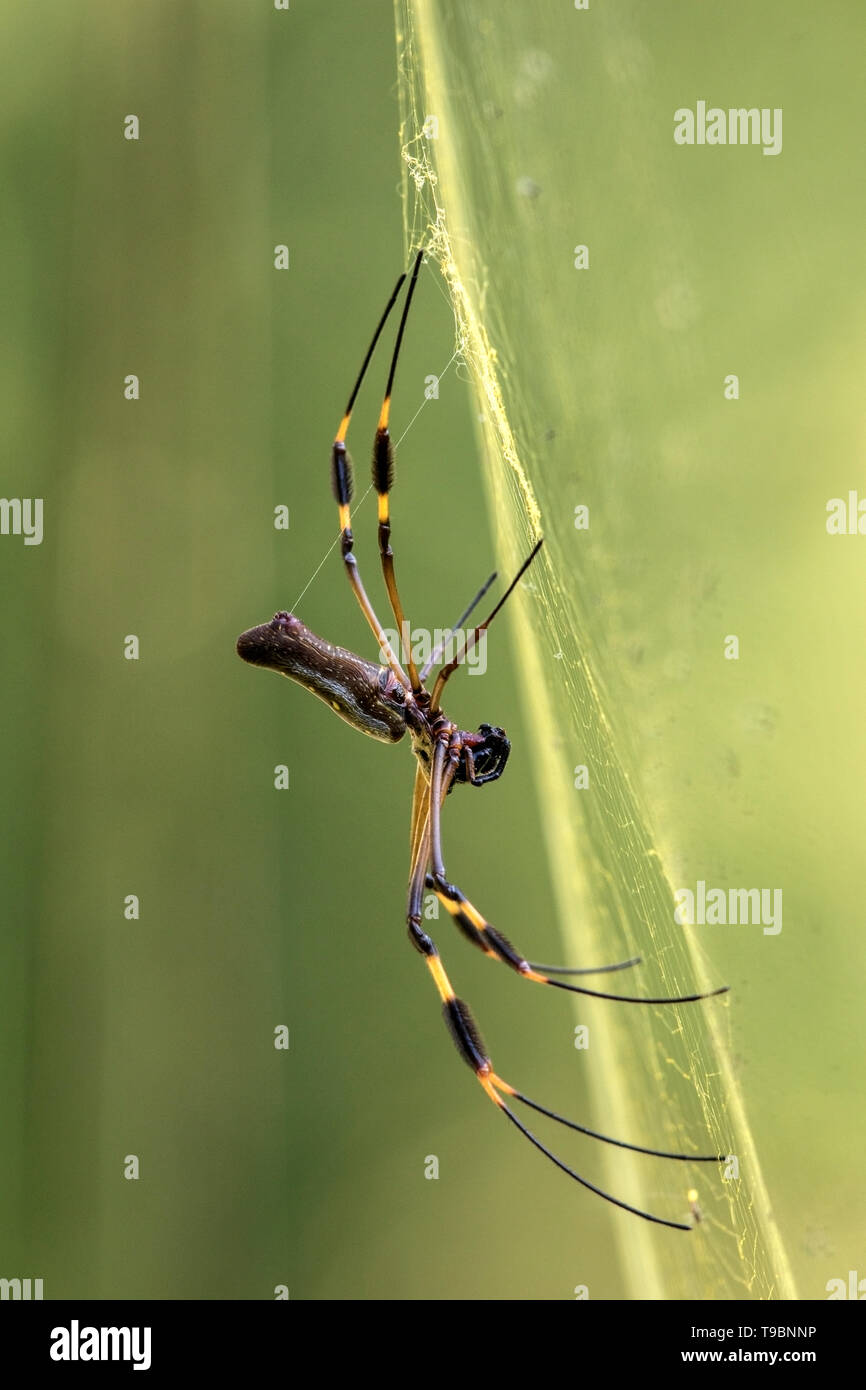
(490, 748)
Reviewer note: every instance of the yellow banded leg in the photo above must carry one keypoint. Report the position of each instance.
(383, 479)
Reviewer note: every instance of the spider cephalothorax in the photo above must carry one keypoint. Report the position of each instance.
(390, 700)
(474, 758)
(489, 756)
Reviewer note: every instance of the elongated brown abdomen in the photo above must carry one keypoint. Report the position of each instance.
(368, 697)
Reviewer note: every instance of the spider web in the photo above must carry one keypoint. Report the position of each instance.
(472, 185)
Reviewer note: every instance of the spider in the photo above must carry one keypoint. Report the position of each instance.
(390, 700)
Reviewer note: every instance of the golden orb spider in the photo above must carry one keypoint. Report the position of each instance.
(386, 702)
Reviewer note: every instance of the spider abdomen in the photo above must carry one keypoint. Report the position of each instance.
(365, 695)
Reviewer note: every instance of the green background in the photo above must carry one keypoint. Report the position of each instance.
(155, 777)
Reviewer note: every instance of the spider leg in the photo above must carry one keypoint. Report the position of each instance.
(343, 486)
(447, 671)
(462, 1025)
(477, 939)
(587, 969)
(605, 1138)
(420, 813)
(420, 854)
(481, 932)
(435, 655)
(383, 478)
